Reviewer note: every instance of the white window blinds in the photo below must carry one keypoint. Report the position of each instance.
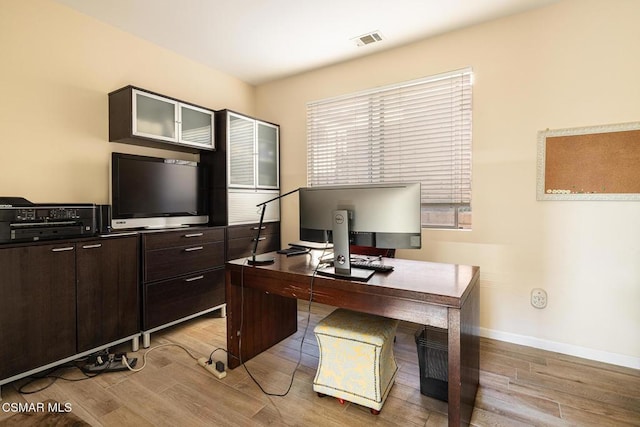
(417, 131)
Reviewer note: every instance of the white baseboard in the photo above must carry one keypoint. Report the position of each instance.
(558, 347)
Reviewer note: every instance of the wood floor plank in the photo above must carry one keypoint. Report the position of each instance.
(211, 391)
(579, 403)
(578, 417)
(615, 382)
(571, 386)
(156, 408)
(515, 351)
(486, 418)
(492, 379)
(519, 406)
(123, 416)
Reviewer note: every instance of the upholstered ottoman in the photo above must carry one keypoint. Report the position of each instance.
(356, 357)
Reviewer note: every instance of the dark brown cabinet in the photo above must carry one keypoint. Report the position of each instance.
(37, 306)
(173, 299)
(183, 276)
(58, 300)
(141, 117)
(244, 170)
(107, 290)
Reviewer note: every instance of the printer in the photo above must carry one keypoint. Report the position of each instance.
(23, 221)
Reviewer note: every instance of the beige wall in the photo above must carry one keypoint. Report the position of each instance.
(57, 67)
(572, 64)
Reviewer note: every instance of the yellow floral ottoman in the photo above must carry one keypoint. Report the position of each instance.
(356, 357)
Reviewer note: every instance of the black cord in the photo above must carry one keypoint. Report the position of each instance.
(306, 328)
(54, 377)
(214, 350)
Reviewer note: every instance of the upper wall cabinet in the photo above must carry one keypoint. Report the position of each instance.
(253, 153)
(141, 117)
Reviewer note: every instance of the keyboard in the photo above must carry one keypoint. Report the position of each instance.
(293, 250)
(368, 265)
(311, 245)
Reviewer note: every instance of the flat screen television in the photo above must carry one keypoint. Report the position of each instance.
(152, 192)
(380, 216)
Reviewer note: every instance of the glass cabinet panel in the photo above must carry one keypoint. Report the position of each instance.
(154, 117)
(196, 126)
(267, 155)
(241, 135)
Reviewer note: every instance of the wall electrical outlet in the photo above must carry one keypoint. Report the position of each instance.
(539, 298)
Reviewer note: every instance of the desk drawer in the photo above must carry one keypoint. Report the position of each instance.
(251, 230)
(174, 299)
(171, 262)
(240, 248)
(169, 239)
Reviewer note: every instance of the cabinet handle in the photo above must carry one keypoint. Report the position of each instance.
(193, 279)
(68, 248)
(264, 227)
(260, 239)
(195, 248)
(97, 245)
(193, 235)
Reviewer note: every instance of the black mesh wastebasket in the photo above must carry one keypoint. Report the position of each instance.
(433, 359)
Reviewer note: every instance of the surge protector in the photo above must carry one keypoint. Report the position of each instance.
(211, 368)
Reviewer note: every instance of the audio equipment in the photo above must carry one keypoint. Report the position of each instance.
(103, 218)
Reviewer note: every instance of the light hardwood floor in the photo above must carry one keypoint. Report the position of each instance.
(518, 386)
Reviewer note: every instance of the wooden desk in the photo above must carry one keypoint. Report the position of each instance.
(263, 300)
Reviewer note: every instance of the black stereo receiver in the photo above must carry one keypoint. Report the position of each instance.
(23, 221)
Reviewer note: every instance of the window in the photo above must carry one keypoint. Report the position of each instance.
(417, 131)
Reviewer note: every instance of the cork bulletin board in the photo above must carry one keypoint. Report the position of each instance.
(590, 163)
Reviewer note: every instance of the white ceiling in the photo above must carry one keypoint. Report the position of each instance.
(262, 40)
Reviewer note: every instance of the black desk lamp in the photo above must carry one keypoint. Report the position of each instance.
(264, 259)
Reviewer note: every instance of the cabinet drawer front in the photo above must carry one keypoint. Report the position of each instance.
(37, 306)
(251, 230)
(170, 239)
(240, 248)
(165, 263)
(177, 298)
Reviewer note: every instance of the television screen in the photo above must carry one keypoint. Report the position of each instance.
(154, 192)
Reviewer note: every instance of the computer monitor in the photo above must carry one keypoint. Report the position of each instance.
(378, 215)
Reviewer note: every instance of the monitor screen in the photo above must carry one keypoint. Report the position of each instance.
(154, 192)
(379, 216)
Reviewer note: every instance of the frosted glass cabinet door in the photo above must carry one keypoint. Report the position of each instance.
(196, 126)
(154, 117)
(241, 137)
(267, 156)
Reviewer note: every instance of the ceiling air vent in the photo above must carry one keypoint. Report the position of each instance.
(368, 38)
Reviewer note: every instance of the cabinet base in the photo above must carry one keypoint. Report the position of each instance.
(146, 335)
(134, 344)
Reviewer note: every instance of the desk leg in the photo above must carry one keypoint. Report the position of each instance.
(266, 319)
(464, 359)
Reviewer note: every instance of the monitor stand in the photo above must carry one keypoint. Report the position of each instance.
(357, 274)
(341, 268)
